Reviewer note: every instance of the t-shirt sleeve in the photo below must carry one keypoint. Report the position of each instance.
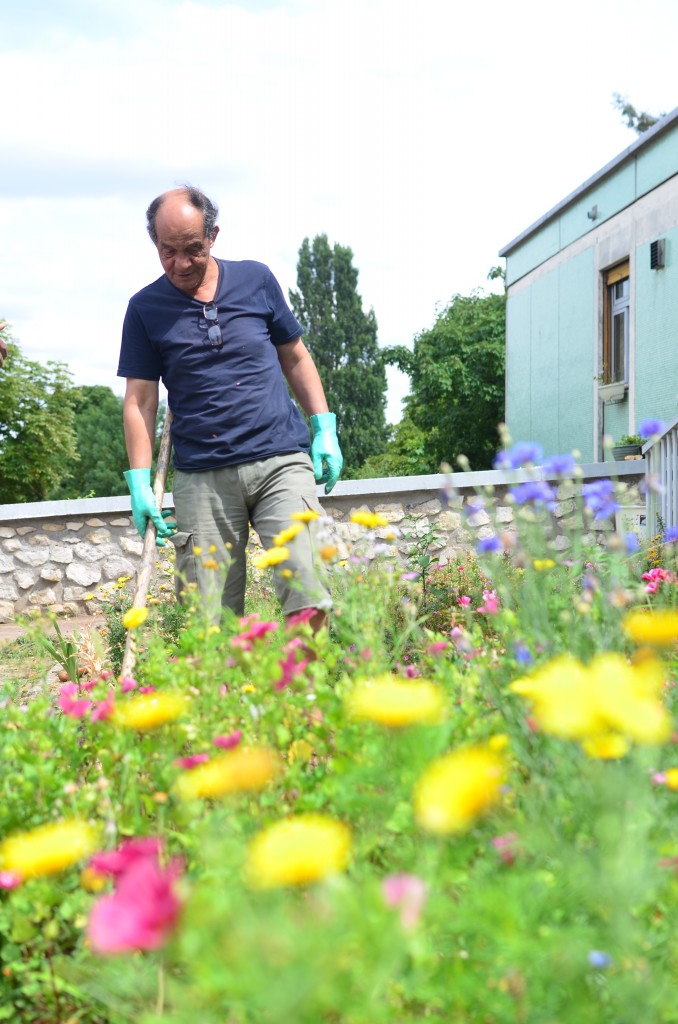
(138, 358)
(284, 326)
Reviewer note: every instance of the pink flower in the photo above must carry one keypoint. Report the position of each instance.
(141, 913)
(127, 684)
(406, 893)
(290, 668)
(147, 689)
(491, 603)
(506, 846)
(70, 704)
(655, 577)
(300, 618)
(437, 647)
(228, 742)
(88, 684)
(117, 862)
(257, 629)
(191, 762)
(103, 711)
(9, 879)
(464, 600)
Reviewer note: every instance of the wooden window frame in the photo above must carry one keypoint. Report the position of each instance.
(620, 272)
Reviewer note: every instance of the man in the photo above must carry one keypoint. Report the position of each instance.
(222, 338)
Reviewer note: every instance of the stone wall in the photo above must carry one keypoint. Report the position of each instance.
(54, 555)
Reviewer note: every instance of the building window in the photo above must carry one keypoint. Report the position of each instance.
(616, 318)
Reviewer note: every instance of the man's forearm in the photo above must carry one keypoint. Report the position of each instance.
(303, 378)
(139, 424)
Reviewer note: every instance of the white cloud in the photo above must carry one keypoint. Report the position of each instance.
(423, 136)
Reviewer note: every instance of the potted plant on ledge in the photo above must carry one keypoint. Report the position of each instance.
(628, 446)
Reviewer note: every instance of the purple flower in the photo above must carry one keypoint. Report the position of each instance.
(537, 491)
(474, 505)
(598, 498)
(563, 465)
(522, 654)
(670, 535)
(632, 543)
(598, 959)
(523, 453)
(648, 428)
(489, 544)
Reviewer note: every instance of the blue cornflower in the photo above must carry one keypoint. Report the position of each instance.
(522, 653)
(632, 543)
(598, 498)
(648, 428)
(598, 959)
(474, 505)
(563, 465)
(537, 491)
(670, 535)
(489, 544)
(521, 454)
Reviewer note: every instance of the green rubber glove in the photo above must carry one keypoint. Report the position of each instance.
(325, 450)
(144, 505)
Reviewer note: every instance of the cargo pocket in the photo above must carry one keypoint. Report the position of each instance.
(186, 569)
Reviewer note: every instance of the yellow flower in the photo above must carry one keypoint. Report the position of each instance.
(210, 563)
(671, 778)
(396, 702)
(150, 711)
(542, 564)
(576, 701)
(299, 750)
(134, 617)
(286, 574)
(369, 519)
(197, 551)
(274, 556)
(307, 516)
(458, 787)
(328, 552)
(285, 536)
(608, 747)
(297, 851)
(657, 628)
(88, 597)
(244, 769)
(498, 742)
(48, 848)
(248, 688)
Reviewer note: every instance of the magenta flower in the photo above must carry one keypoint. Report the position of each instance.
(191, 762)
(117, 862)
(103, 711)
(436, 647)
(69, 702)
(506, 846)
(147, 689)
(290, 668)
(141, 913)
(9, 879)
(406, 893)
(228, 742)
(127, 684)
(490, 604)
(257, 629)
(300, 618)
(464, 600)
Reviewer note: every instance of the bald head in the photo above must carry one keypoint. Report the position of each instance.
(178, 199)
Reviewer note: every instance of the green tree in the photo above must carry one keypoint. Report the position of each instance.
(100, 443)
(343, 342)
(37, 436)
(456, 399)
(638, 120)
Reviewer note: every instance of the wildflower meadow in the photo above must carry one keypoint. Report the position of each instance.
(456, 803)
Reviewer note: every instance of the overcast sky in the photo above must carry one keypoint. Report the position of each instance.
(424, 135)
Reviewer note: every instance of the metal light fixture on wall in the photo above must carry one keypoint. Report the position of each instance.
(657, 254)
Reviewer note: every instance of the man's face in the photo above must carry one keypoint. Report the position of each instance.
(182, 246)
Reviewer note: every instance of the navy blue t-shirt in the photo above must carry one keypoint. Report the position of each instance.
(230, 404)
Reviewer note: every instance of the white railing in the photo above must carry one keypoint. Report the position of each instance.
(661, 454)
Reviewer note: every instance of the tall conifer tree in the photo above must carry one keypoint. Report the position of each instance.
(343, 342)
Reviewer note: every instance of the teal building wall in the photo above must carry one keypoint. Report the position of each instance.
(554, 276)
